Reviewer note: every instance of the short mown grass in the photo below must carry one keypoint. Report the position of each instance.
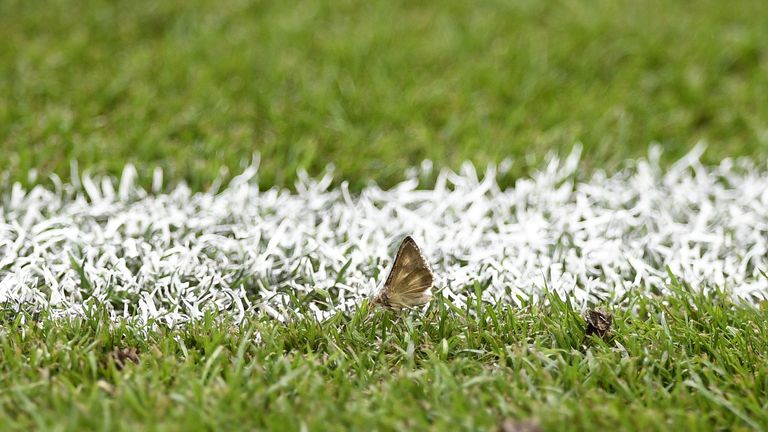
(197, 86)
(374, 87)
(689, 362)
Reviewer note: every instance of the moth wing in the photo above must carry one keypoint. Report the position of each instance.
(411, 278)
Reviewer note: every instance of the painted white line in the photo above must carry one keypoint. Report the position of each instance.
(243, 250)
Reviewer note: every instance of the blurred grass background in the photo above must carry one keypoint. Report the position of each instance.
(374, 87)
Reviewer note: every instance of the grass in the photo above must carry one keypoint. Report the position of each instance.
(693, 362)
(373, 87)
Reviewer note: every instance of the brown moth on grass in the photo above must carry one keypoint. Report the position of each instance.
(409, 280)
(598, 323)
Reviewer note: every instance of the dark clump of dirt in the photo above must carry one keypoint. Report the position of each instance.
(121, 356)
(598, 323)
(512, 425)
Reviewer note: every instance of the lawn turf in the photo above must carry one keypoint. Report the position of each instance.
(692, 362)
(374, 87)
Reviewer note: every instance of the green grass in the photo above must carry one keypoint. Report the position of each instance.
(694, 363)
(374, 87)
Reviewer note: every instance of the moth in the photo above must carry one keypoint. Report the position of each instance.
(409, 280)
(598, 322)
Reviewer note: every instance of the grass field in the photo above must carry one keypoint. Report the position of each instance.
(690, 363)
(374, 88)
